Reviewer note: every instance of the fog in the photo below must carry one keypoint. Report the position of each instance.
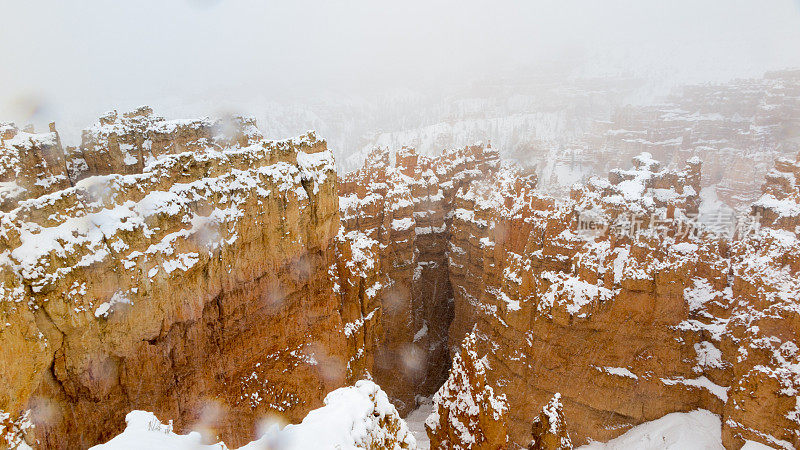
(71, 61)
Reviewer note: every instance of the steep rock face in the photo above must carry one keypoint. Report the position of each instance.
(31, 165)
(402, 211)
(624, 305)
(764, 327)
(467, 413)
(193, 269)
(194, 285)
(124, 143)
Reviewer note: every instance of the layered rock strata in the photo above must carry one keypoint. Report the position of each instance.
(401, 212)
(625, 306)
(192, 282)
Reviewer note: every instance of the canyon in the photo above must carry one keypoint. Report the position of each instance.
(198, 271)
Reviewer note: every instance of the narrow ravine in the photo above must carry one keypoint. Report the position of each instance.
(416, 423)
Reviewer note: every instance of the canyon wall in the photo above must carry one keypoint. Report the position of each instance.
(619, 303)
(178, 267)
(402, 211)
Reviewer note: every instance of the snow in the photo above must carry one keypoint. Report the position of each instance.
(700, 382)
(713, 211)
(352, 327)
(511, 304)
(646, 159)
(10, 190)
(402, 224)
(315, 166)
(708, 356)
(619, 371)
(416, 423)
(105, 307)
(631, 189)
(145, 431)
(363, 258)
(699, 294)
(551, 410)
(752, 445)
(686, 248)
(14, 429)
(422, 332)
(102, 310)
(354, 417)
(464, 394)
(619, 263)
(784, 208)
(695, 430)
(350, 419)
(572, 292)
(89, 233)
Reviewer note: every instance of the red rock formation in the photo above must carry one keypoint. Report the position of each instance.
(618, 301)
(764, 326)
(31, 165)
(195, 286)
(467, 413)
(548, 429)
(404, 210)
(125, 143)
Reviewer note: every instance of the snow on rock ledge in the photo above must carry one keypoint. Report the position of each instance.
(355, 417)
(694, 430)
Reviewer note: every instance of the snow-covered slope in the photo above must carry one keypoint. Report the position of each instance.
(144, 430)
(355, 417)
(696, 430)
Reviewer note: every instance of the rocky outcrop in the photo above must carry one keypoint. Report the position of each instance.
(620, 302)
(548, 429)
(467, 412)
(31, 165)
(125, 143)
(764, 327)
(193, 284)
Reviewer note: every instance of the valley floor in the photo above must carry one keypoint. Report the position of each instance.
(416, 423)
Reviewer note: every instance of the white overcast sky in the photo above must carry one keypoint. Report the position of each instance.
(73, 59)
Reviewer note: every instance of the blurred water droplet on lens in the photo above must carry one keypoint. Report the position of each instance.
(211, 413)
(43, 411)
(332, 368)
(301, 268)
(413, 359)
(29, 107)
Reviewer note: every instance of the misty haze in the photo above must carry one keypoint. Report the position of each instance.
(230, 224)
